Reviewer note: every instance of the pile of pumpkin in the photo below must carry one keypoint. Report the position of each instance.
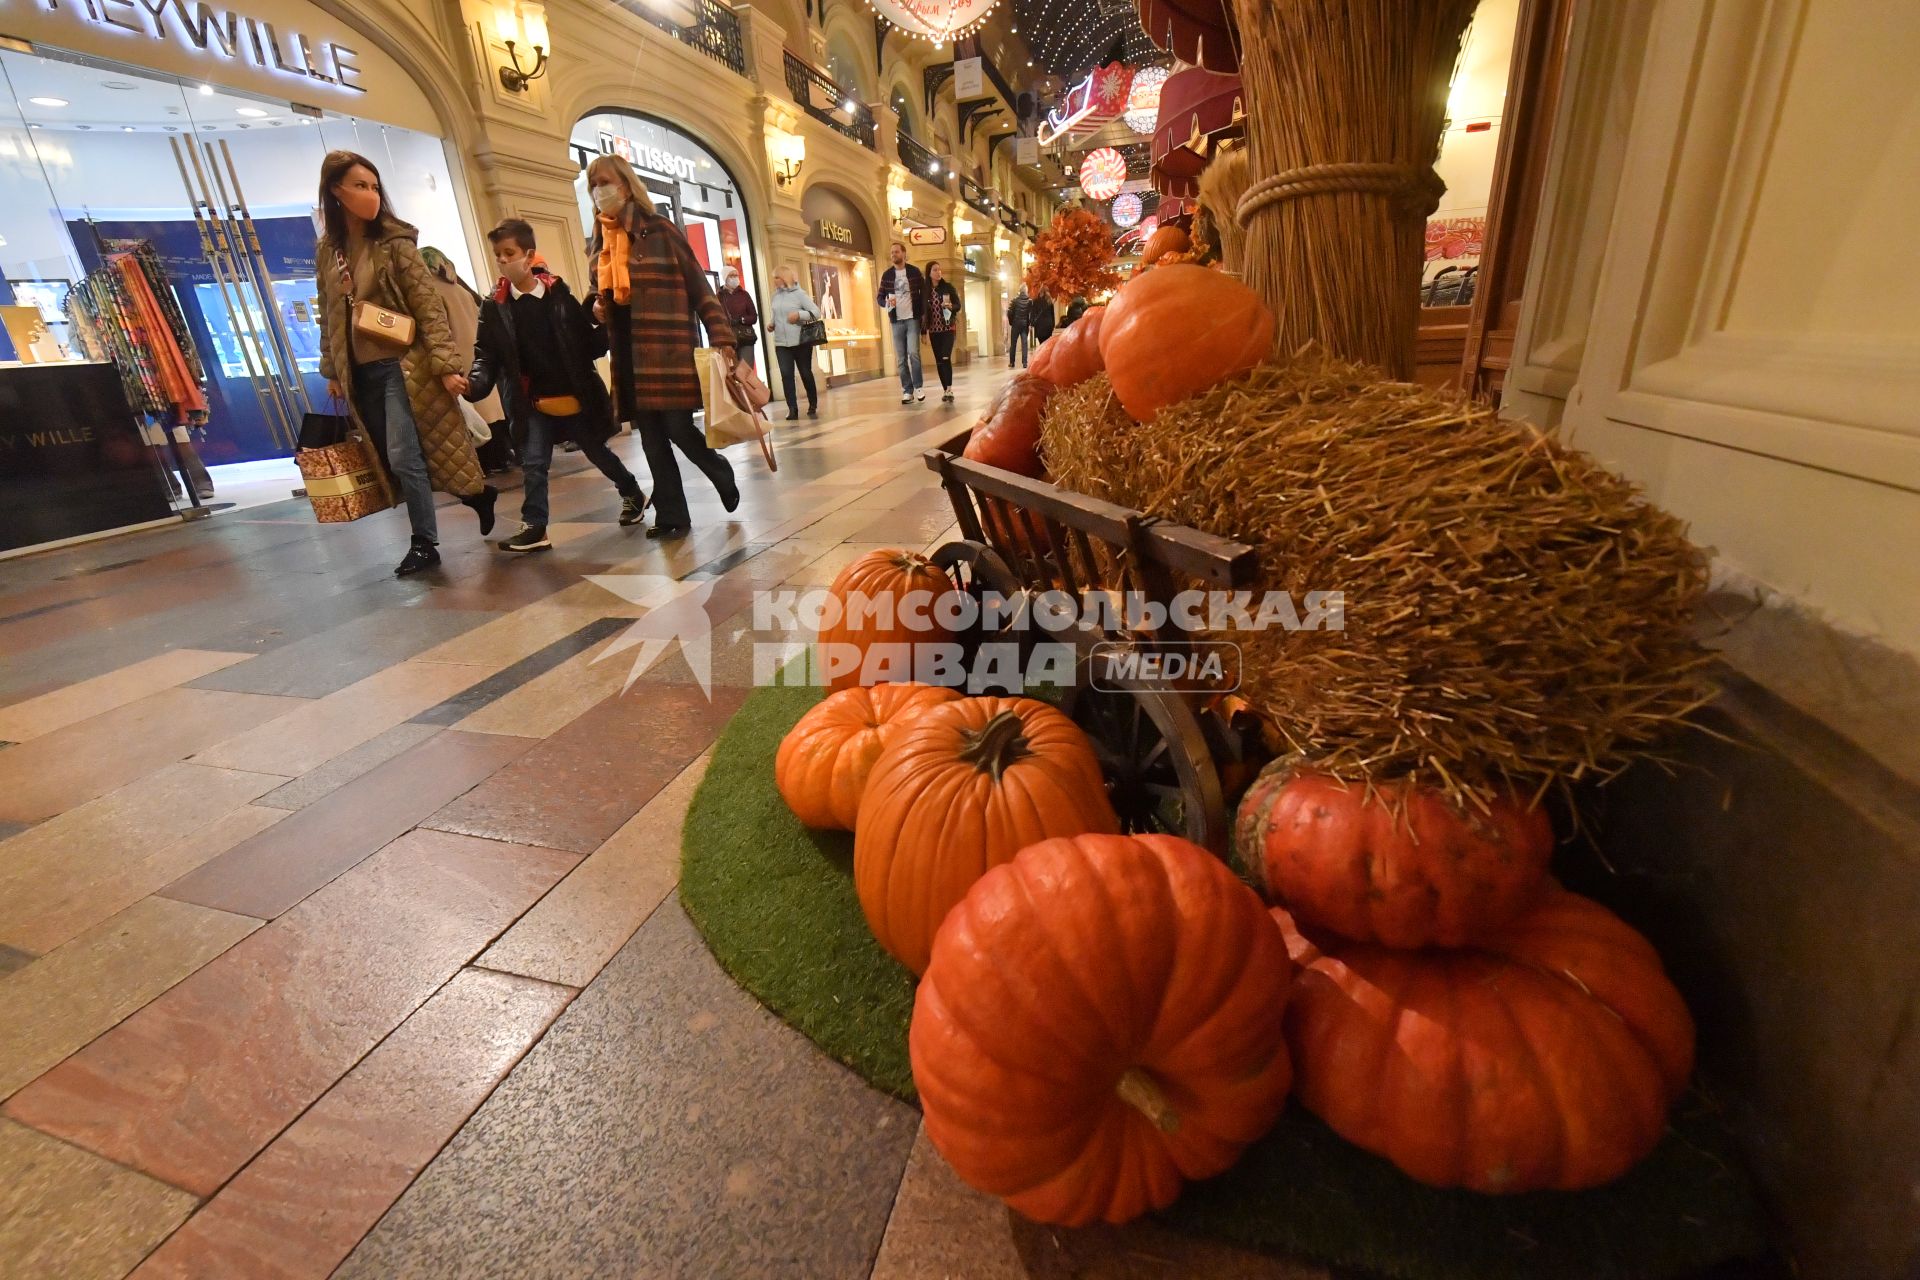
(1103, 1017)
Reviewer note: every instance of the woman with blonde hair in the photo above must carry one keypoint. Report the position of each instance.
(788, 312)
(404, 395)
(650, 289)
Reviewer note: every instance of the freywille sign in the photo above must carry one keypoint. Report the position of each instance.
(225, 33)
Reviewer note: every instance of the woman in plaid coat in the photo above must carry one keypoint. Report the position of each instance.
(650, 290)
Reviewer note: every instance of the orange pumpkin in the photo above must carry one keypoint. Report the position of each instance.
(963, 788)
(1407, 870)
(1165, 240)
(876, 604)
(1009, 434)
(823, 762)
(1043, 356)
(1177, 330)
(1103, 1020)
(1545, 1058)
(1077, 356)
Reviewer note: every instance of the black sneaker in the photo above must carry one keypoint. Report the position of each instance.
(532, 537)
(421, 555)
(730, 496)
(812, 412)
(482, 504)
(631, 507)
(793, 415)
(669, 531)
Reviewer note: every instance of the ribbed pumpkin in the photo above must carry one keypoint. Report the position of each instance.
(1076, 354)
(1008, 434)
(895, 575)
(1177, 330)
(1103, 1020)
(965, 787)
(823, 762)
(1163, 241)
(1545, 1058)
(1405, 868)
(1043, 355)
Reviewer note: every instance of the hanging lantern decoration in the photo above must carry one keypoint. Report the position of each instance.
(1143, 99)
(1103, 173)
(1126, 210)
(937, 20)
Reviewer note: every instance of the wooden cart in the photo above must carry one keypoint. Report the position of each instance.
(1173, 756)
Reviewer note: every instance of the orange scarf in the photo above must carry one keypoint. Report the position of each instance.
(615, 248)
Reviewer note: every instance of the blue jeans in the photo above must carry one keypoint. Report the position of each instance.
(536, 457)
(1018, 342)
(380, 394)
(906, 352)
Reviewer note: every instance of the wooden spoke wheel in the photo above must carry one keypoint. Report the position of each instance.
(1155, 756)
(978, 570)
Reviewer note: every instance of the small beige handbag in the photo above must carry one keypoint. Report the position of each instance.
(373, 321)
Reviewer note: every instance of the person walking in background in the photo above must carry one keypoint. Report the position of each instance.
(650, 290)
(1040, 317)
(536, 347)
(740, 310)
(943, 325)
(1019, 318)
(789, 312)
(403, 396)
(1075, 309)
(463, 314)
(903, 296)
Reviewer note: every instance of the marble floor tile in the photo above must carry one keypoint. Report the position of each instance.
(119, 831)
(497, 686)
(577, 788)
(76, 702)
(941, 1228)
(54, 909)
(499, 644)
(571, 933)
(553, 699)
(666, 1125)
(56, 1005)
(8, 830)
(64, 769)
(193, 1085)
(326, 661)
(317, 731)
(12, 958)
(317, 784)
(268, 874)
(68, 1215)
(304, 1202)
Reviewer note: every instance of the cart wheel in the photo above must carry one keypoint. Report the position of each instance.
(1155, 757)
(978, 570)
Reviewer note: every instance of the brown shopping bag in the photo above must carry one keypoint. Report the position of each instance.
(343, 483)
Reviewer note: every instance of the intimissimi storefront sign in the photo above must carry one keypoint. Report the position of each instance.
(215, 32)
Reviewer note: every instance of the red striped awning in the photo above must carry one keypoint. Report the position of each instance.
(1198, 32)
(1196, 107)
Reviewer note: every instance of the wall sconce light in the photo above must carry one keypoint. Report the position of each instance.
(519, 22)
(1000, 242)
(788, 151)
(899, 200)
(962, 228)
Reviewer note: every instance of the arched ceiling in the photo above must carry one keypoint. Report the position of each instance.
(1070, 37)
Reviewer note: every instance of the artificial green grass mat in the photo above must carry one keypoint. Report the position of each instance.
(776, 904)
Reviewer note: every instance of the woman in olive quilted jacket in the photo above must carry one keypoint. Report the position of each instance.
(404, 396)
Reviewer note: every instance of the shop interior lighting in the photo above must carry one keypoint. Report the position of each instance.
(251, 113)
(206, 91)
(48, 102)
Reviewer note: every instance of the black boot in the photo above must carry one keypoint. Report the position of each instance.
(482, 504)
(422, 555)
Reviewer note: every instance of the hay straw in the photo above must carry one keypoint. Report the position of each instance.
(1516, 616)
(1333, 82)
(1222, 183)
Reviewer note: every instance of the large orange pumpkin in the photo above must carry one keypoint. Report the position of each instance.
(1009, 434)
(965, 787)
(1043, 355)
(824, 760)
(1408, 869)
(1177, 330)
(1103, 1020)
(1545, 1058)
(877, 605)
(1077, 350)
(1165, 240)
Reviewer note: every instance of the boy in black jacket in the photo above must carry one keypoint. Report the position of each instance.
(538, 344)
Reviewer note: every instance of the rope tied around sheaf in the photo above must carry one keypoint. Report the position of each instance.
(1415, 190)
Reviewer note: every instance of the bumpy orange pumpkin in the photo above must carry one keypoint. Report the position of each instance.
(892, 577)
(1043, 356)
(1177, 330)
(1009, 434)
(1102, 1021)
(1077, 354)
(965, 787)
(1165, 240)
(1546, 1058)
(1408, 869)
(824, 760)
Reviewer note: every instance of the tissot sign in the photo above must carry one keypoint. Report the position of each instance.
(217, 31)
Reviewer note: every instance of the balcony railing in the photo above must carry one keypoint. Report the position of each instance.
(714, 32)
(976, 195)
(922, 159)
(820, 97)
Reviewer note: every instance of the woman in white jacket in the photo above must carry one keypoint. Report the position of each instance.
(788, 311)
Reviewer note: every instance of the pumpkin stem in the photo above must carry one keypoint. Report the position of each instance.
(1143, 1093)
(999, 745)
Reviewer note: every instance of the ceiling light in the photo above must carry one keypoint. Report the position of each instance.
(206, 91)
(121, 86)
(251, 113)
(126, 128)
(48, 102)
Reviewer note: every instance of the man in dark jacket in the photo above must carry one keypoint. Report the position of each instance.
(538, 344)
(1019, 320)
(903, 297)
(1075, 309)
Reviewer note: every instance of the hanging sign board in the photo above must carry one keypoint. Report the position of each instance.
(926, 235)
(1026, 151)
(969, 78)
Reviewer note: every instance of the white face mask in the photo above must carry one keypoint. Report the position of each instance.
(608, 198)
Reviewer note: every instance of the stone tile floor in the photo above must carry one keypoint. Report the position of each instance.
(338, 931)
